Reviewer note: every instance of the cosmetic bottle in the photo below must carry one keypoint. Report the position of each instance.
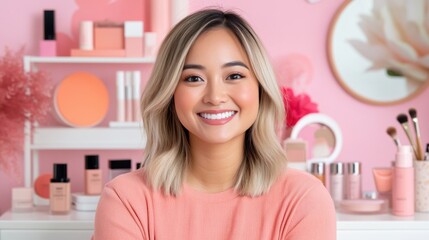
(136, 77)
(403, 182)
(337, 182)
(128, 97)
(318, 170)
(118, 167)
(353, 181)
(133, 33)
(60, 192)
(93, 175)
(86, 35)
(120, 96)
(48, 46)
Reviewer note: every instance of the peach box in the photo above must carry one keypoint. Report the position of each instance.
(108, 36)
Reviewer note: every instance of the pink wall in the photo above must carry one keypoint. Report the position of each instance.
(286, 27)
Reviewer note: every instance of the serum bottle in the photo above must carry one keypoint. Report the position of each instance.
(93, 175)
(403, 182)
(60, 192)
(354, 180)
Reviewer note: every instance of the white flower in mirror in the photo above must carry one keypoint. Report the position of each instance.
(397, 39)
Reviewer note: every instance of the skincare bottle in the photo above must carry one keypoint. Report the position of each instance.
(120, 96)
(136, 77)
(93, 175)
(118, 167)
(86, 35)
(318, 170)
(60, 192)
(337, 182)
(48, 46)
(128, 97)
(354, 181)
(403, 182)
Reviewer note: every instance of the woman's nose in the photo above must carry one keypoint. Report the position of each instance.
(215, 93)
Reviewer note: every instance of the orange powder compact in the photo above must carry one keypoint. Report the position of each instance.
(81, 100)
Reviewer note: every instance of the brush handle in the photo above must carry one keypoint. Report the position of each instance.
(419, 149)
(406, 128)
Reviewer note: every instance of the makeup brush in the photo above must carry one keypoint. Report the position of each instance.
(419, 149)
(403, 120)
(391, 131)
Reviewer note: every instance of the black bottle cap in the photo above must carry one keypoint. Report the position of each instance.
(138, 165)
(49, 25)
(60, 173)
(120, 164)
(91, 162)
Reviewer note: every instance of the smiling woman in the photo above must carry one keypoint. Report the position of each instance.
(213, 166)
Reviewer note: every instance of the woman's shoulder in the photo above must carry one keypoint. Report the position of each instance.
(132, 182)
(297, 183)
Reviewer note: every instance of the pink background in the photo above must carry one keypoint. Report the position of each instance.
(287, 28)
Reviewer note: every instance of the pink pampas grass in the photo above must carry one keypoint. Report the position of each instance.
(23, 96)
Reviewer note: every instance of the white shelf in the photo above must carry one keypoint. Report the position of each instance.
(387, 221)
(37, 59)
(88, 138)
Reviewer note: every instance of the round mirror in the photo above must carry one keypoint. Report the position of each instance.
(322, 135)
(379, 50)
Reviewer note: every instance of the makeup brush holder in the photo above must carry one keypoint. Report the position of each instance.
(422, 186)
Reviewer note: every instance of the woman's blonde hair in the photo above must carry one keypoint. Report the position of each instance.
(167, 150)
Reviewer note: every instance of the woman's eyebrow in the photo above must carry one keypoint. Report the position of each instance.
(228, 64)
(235, 63)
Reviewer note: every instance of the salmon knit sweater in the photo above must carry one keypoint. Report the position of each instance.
(296, 207)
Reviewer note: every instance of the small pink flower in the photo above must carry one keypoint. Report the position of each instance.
(296, 106)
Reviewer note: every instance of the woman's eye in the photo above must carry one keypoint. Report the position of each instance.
(235, 76)
(193, 79)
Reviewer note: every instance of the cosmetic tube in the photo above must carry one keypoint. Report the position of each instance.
(354, 181)
(136, 76)
(337, 182)
(134, 38)
(120, 95)
(422, 185)
(403, 182)
(118, 167)
(60, 192)
(318, 170)
(128, 97)
(93, 175)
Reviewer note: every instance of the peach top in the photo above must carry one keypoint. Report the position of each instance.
(297, 206)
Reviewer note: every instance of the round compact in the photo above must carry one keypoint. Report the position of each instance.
(81, 100)
(41, 185)
(364, 206)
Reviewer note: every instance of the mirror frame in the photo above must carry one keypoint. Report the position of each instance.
(340, 79)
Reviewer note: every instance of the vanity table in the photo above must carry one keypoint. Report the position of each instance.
(40, 225)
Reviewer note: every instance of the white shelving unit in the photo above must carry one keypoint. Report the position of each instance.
(66, 138)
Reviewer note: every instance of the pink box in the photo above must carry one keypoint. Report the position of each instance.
(134, 47)
(109, 37)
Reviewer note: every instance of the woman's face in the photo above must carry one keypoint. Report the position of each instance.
(217, 98)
